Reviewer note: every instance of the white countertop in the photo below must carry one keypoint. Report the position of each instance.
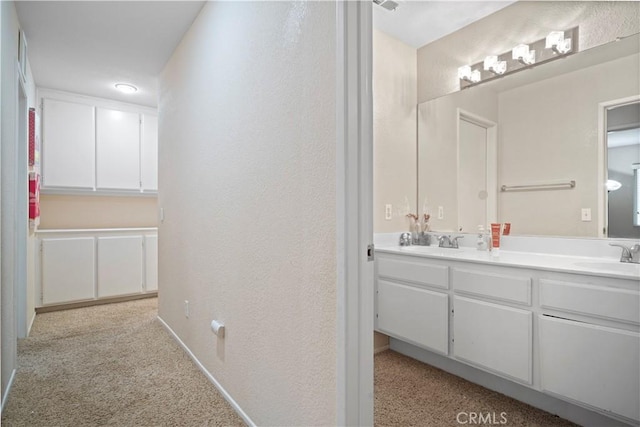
(607, 267)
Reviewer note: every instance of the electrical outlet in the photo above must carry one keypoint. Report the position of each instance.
(586, 214)
(388, 209)
(440, 212)
(186, 308)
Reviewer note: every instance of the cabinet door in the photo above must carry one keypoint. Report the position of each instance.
(68, 145)
(68, 270)
(415, 315)
(493, 336)
(151, 263)
(118, 149)
(149, 153)
(592, 364)
(119, 265)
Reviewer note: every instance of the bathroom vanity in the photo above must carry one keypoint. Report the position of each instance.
(540, 324)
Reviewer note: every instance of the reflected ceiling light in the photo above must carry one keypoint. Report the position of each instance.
(555, 40)
(126, 88)
(613, 185)
(465, 73)
(522, 54)
(492, 64)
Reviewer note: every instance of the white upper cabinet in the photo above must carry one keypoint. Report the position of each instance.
(68, 154)
(97, 145)
(149, 153)
(118, 149)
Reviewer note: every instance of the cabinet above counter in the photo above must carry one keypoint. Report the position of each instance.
(93, 146)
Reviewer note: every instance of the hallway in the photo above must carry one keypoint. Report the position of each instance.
(111, 364)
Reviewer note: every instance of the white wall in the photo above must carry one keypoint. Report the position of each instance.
(553, 136)
(521, 22)
(9, 188)
(247, 181)
(394, 131)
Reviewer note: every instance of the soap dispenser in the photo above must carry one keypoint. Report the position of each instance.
(481, 243)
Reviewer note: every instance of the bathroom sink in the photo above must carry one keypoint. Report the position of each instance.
(612, 266)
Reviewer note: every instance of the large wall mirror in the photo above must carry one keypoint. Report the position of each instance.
(537, 147)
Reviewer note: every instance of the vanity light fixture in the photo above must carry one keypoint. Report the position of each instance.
(555, 45)
(126, 88)
(492, 64)
(467, 74)
(555, 40)
(522, 54)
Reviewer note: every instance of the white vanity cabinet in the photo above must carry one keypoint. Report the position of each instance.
(590, 344)
(542, 336)
(489, 329)
(409, 306)
(86, 265)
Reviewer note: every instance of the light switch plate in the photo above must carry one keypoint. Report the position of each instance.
(388, 211)
(586, 214)
(440, 212)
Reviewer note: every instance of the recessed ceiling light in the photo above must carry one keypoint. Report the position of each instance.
(126, 88)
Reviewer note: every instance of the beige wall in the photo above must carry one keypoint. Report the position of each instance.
(394, 131)
(438, 154)
(521, 22)
(65, 212)
(549, 132)
(247, 177)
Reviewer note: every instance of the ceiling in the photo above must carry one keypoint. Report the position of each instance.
(88, 46)
(417, 23)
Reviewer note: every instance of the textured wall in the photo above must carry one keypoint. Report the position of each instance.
(247, 180)
(523, 21)
(394, 131)
(57, 211)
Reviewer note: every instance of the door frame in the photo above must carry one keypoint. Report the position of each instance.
(491, 163)
(603, 107)
(354, 206)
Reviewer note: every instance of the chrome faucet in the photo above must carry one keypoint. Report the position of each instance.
(445, 241)
(629, 253)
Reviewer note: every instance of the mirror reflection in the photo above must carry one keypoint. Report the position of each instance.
(536, 149)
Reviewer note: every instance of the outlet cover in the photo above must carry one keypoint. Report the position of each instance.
(586, 214)
(440, 212)
(186, 309)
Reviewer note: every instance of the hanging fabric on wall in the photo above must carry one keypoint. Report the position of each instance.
(34, 200)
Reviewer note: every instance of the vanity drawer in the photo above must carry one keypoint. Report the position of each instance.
(492, 285)
(597, 301)
(416, 271)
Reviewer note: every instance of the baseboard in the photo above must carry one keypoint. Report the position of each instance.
(5, 396)
(90, 303)
(33, 319)
(380, 349)
(211, 378)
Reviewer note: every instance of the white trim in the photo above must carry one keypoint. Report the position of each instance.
(92, 100)
(354, 209)
(210, 377)
(5, 396)
(603, 107)
(67, 191)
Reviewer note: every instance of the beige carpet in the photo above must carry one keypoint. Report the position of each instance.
(411, 393)
(110, 365)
